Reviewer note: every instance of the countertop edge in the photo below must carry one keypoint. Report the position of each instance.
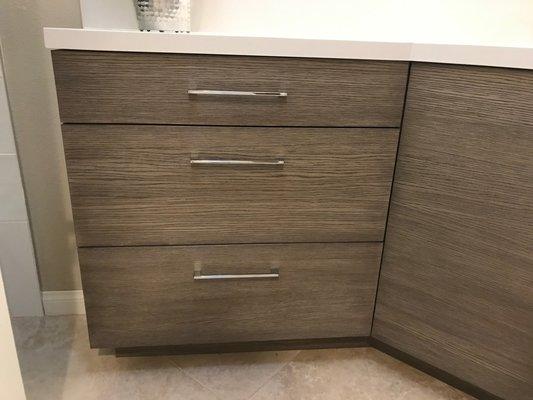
(223, 44)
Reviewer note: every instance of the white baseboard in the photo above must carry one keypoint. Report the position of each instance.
(63, 302)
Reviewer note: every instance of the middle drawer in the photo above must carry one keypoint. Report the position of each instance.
(155, 185)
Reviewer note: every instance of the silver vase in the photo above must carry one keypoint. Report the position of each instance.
(163, 15)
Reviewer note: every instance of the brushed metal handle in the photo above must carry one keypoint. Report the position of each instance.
(195, 92)
(196, 162)
(198, 276)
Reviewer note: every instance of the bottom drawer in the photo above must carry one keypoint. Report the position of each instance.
(156, 296)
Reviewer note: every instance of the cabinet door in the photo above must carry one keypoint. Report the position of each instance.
(456, 286)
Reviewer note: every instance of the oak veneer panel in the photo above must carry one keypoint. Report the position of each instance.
(456, 285)
(110, 87)
(146, 296)
(134, 185)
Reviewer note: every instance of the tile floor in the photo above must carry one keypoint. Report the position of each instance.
(58, 365)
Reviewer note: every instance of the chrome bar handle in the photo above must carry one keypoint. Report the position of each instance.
(196, 162)
(274, 274)
(194, 92)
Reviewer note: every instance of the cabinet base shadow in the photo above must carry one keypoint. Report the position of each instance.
(243, 347)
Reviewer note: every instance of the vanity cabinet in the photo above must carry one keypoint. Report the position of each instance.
(228, 200)
(456, 285)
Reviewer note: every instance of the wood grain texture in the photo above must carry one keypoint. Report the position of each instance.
(146, 296)
(133, 185)
(429, 369)
(456, 285)
(111, 87)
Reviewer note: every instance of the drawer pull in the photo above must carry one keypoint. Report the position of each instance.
(197, 162)
(235, 93)
(274, 274)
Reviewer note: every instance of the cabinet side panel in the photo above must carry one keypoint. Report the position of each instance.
(456, 285)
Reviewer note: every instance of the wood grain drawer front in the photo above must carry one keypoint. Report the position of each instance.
(135, 185)
(107, 87)
(146, 296)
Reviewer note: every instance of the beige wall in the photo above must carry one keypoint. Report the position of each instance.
(11, 386)
(31, 92)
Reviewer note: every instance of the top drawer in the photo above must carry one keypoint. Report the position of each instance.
(110, 87)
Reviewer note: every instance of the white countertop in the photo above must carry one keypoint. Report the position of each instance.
(456, 50)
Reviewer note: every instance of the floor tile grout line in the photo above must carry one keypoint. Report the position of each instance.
(274, 374)
(178, 367)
